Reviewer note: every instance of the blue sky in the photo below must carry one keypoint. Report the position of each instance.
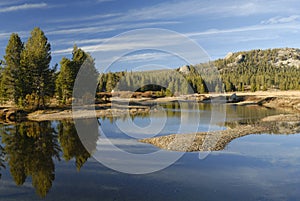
(217, 26)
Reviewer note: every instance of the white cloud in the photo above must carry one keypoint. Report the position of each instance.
(62, 51)
(4, 35)
(25, 6)
(105, 28)
(175, 12)
(262, 27)
(80, 30)
(175, 9)
(281, 20)
(144, 57)
(180, 9)
(94, 45)
(86, 18)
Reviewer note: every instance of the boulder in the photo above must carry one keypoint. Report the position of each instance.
(228, 55)
(185, 69)
(233, 98)
(240, 58)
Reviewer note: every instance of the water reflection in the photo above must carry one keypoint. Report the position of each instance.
(234, 113)
(1, 159)
(30, 149)
(71, 144)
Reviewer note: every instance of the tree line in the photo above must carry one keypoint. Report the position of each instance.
(28, 80)
(256, 72)
(167, 82)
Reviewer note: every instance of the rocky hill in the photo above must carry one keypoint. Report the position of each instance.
(280, 57)
(261, 69)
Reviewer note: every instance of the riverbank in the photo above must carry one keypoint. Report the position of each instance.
(88, 112)
(116, 106)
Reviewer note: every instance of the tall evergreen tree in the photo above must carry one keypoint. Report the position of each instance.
(11, 81)
(35, 60)
(69, 70)
(64, 81)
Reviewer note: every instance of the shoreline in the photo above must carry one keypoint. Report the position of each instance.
(288, 100)
(218, 140)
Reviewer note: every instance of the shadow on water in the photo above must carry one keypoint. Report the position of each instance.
(30, 149)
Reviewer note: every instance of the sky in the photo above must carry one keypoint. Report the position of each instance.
(130, 35)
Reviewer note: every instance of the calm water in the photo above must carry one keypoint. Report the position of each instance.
(47, 161)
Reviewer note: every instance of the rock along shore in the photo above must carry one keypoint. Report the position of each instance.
(218, 140)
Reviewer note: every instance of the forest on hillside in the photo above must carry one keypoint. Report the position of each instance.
(28, 80)
(257, 71)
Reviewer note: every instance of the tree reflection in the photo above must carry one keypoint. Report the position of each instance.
(71, 144)
(1, 159)
(30, 148)
(2, 154)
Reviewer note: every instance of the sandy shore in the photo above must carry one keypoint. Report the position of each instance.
(87, 112)
(275, 99)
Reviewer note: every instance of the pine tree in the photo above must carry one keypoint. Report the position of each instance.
(35, 59)
(64, 82)
(11, 81)
(69, 71)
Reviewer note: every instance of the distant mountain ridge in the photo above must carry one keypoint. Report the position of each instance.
(278, 57)
(253, 70)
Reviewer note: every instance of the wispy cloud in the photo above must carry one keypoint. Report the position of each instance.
(178, 12)
(103, 1)
(281, 20)
(154, 56)
(25, 6)
(105, 28)
(171, 12)
(260, 32)
(80, 19)
(9, 2)
(260, 27)
(5, 35)
(83, 30)
(175, 9)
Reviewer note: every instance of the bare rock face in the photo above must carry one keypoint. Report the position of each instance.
(185, 69)
(278, 57)
(288, 57)
(228, 55)
(240, 58)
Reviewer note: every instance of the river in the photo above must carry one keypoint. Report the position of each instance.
(49, 161)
